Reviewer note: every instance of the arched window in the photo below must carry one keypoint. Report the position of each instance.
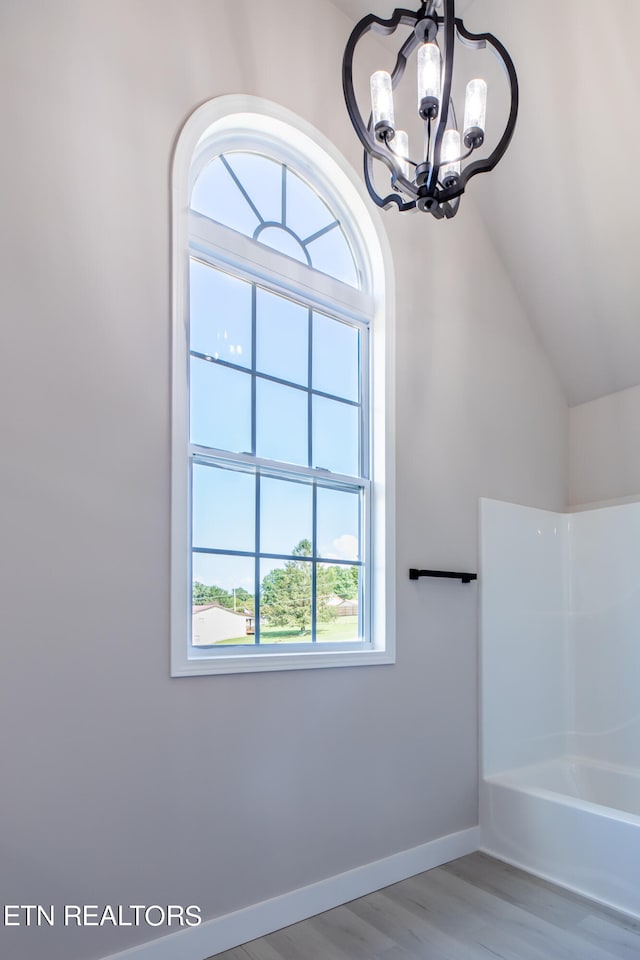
(281, 469)
(265, 199)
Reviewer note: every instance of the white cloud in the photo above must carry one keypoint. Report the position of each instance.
(343, 548)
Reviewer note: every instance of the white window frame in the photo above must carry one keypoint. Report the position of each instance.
(251, 123)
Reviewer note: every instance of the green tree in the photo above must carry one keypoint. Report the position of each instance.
(210, 594)
(286, 592)
(199, 593)
(202, 594)
(346, 583)
(244, 599)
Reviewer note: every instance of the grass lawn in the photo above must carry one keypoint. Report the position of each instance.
(337, 631)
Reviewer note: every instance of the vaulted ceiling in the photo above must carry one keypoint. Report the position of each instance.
(562, 208)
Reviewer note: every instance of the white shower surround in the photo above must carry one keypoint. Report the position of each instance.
(560, 695)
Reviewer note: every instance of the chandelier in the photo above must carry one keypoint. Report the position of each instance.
(435, 180)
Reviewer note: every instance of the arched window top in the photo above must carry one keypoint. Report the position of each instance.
(265, 199)
(282, 400)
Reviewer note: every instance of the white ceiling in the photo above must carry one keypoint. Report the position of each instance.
(356, 9)
(562, 208)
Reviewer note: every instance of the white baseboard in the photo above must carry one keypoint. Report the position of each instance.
(232, 929)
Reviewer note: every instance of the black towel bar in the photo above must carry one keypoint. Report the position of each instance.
(465, 577)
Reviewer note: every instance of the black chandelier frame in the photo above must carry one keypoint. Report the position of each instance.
(426, 192)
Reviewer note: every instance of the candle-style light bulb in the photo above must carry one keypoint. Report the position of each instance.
(429, 80)
(475, 114)
(401, 152)
(382, 105)
(450, 158)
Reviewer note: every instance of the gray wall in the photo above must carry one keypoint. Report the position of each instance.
(120, 785)
(604, 448)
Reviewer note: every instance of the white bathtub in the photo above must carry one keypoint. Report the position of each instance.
(570, 821)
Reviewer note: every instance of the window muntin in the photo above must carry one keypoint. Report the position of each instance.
(267, 201)
(301, 366)
(297, 404)
(311, 564)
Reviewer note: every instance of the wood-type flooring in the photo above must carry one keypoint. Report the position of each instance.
(475, 908)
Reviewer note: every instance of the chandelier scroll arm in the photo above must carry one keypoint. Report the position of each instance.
(451, 207)
(400, 16)
(383, 202)
(478, 42)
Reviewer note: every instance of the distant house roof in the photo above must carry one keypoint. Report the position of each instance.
(339, 602)
(200, 607)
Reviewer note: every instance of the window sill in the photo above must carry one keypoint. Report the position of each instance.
(206, 666)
